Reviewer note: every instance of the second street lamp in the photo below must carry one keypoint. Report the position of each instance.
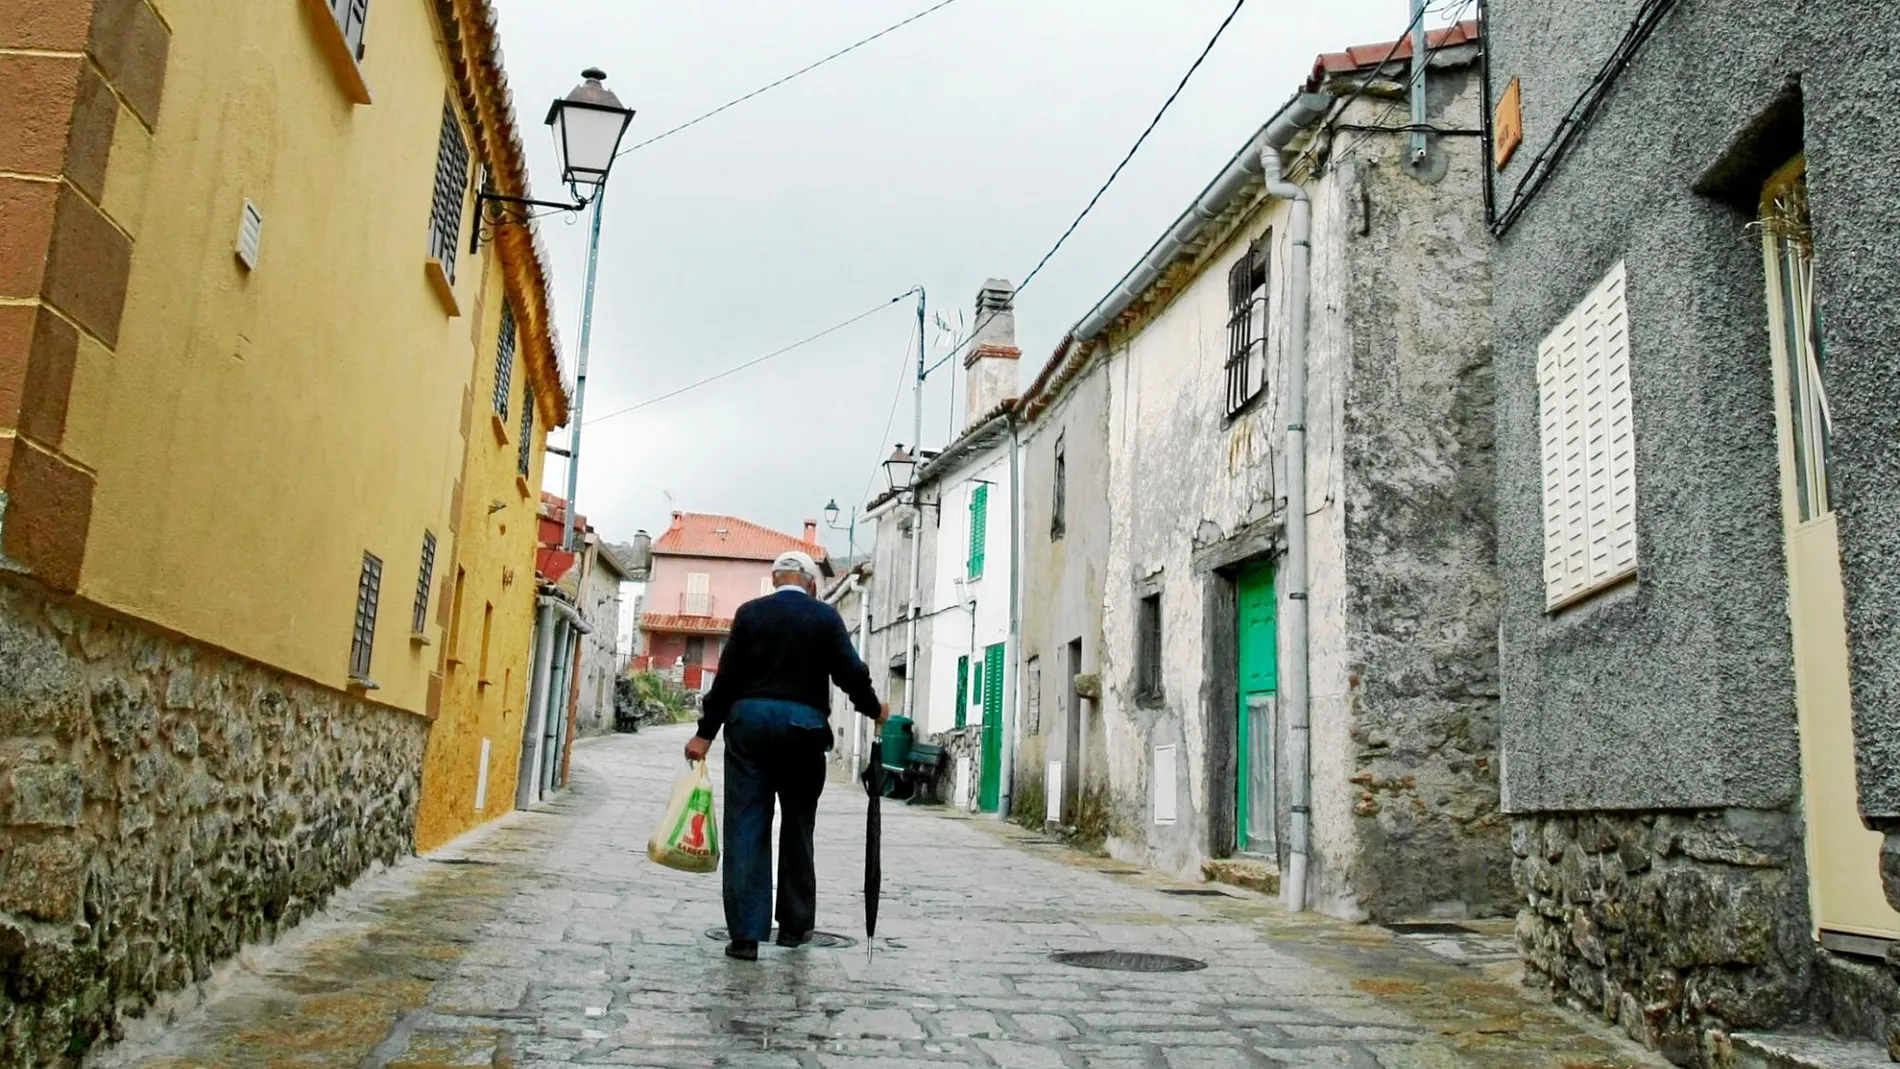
(831, 521)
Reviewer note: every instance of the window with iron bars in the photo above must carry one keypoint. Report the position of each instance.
(451, 187)
(351, 16)
(525, 454)
(1247, 327)
(1148, 649)
(424, 576)
(504, 359)
(369, 588)
(1059, 504)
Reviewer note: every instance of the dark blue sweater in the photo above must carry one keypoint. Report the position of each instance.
(789, 646)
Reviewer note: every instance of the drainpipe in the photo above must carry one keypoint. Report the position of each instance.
(552, 717)
(1294, 680)
(527, 779)
(1010, 669)
(916, 596)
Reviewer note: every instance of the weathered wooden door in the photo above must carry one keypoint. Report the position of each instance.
(1259, 683)
(990, 782)
(1843, 854)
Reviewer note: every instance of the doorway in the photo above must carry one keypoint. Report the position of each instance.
(990, 779)
(1071, 732)
(1843, 853)
(1257, 684)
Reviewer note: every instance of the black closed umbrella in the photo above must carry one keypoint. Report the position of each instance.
(873, 843)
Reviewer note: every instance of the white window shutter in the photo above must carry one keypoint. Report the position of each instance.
(1588, 446)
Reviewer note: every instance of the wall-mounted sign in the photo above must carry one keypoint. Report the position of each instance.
(1507, 125)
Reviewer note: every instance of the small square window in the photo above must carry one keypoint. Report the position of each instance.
(1148, 648)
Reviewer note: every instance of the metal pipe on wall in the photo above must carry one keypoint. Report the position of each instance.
(1012, 692)
(527, 776)
(1294, 677)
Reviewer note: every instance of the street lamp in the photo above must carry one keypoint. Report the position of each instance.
(831, 521)
(588, 124)
(899, 469)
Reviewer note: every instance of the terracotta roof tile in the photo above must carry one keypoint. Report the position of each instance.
(698, 534)
(1363, 57)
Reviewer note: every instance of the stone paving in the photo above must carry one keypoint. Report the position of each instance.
(550, 940)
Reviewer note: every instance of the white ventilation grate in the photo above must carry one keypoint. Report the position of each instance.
(481, 779)
(250, 235)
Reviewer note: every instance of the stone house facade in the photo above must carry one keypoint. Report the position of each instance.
(1062, 764)
(1698, 522)
(195, 754)
(1190, 361)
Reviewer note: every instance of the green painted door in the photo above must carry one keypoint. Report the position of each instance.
(1259, 682)
(990, 785)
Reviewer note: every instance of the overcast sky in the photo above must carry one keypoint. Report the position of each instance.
(954, 150)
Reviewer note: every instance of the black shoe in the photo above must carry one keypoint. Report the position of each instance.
(793, 939)
(743, 950)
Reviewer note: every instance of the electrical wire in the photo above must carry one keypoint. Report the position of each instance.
(754, 362)
(897, 398)
(1136, 147)
(807, 69)
(1541, 166)
(1378, 125)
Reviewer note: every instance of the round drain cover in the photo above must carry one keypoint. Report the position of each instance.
(819, 940)
(1127, 961)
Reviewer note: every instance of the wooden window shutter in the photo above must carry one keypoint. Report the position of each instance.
(993, 697)
(351, 17)
(451, 189)
(1588, 446)
(979, 528)
(504, 359)
(963, 690)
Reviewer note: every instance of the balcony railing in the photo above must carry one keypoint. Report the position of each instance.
(696, 604)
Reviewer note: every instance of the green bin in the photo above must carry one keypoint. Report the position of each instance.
(896, 743)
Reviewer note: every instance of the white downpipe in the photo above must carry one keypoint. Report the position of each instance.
(1294, 677)
(528, 780)
(1012, 694)
(916, 598)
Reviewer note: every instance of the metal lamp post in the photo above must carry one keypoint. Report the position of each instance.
(588, 125)
(851, 532)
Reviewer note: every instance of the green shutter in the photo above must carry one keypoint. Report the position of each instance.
(979, 527)
(963, 691)
(990, 780)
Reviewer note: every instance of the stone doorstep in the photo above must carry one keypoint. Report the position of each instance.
(1260, 876)
(1792, 1050)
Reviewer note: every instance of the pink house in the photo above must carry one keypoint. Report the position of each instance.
(704, 568)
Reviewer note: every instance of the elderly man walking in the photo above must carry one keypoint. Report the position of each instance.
(773, 697)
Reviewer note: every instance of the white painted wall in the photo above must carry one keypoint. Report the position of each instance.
(948, 590)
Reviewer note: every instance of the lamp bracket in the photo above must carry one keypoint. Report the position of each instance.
(484, 198)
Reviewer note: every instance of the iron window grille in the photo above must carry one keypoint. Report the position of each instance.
(1247, 327)
(451, 188)
(351, 17)
(1148, 648)
(524, 455)
(424, 576)
(504, 359)
(1059, 520)
(369, 587)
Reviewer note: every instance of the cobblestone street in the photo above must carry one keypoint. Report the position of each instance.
(550, 940)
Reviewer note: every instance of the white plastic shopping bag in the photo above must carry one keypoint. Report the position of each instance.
(688, 836)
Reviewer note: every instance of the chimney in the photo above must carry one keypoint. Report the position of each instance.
(811, 530)
(991, 363)
(679, 521)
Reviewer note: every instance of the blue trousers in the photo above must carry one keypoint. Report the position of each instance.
(775, 750)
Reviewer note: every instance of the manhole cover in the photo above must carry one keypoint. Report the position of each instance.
(1126, 961)
(819, 940)
(1119, 872)
(459, 861)
(1427, 928)
(1195, 892)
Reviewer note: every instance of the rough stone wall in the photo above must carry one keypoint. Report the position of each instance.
(1669, 925)
(1421, 568)
(164, 804)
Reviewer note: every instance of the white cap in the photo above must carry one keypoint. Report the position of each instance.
(795, 561)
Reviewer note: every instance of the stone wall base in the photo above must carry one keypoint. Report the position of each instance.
(1677, 927)
(163, 803)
